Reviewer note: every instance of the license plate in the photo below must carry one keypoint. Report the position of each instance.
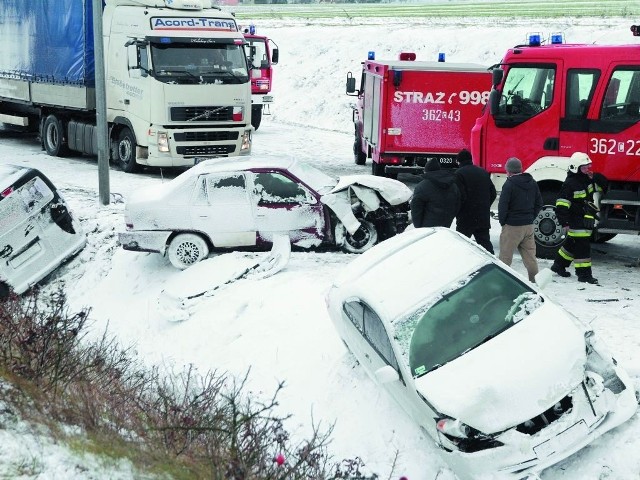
(562, 441)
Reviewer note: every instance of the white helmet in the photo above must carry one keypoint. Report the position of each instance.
(578, 159)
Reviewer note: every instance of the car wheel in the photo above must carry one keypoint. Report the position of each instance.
(53, 137)
(363, 239)
(187, 249)
(546, 229)
(256, 116)
(126, 151)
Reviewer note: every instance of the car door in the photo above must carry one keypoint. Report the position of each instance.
(283, 204)
(221, 208)
(25, 249)
(372, 345)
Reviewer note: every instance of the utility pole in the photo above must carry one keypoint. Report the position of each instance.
(101, 105)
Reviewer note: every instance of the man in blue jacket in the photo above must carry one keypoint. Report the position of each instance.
(520, 201)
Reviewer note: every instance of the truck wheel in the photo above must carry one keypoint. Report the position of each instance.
(53, 137)
(187, 249)
(363, 239)
(359, 156)
(377, 169)
(127, 151)
(546, 229)
(256, 116)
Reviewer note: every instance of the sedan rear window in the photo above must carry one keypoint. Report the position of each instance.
(490, 302)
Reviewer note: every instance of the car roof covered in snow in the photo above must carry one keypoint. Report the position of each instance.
(240, 163)
(400, 273)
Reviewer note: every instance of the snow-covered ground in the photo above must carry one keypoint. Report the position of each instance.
(278, 327)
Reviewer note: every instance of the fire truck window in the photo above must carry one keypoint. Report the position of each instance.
(580, 87)
(622, 98)
(527, 91)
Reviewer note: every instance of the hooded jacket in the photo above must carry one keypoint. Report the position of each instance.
(478, 193)
(436, 200)
(520, 201)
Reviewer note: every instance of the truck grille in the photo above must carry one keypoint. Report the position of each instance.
(205, 136)
(201, 114)
(206, 150)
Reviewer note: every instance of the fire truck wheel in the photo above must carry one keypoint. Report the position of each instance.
(359, 155)
(187, 249)
(377, 169)
(53, 137)
(363, 239)
(256, 117)
(546, 229)
(127, 151)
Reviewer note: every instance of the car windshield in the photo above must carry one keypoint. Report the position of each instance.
(485, 304)
(316, 179)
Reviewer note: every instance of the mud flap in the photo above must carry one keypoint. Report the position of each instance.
(181, 296)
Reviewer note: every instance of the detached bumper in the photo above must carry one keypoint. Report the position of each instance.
(144, 241)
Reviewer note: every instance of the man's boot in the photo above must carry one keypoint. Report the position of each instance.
(560, 270)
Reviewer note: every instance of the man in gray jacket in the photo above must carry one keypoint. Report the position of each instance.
(520, 201)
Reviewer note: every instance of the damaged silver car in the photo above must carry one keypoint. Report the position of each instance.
(245, 202)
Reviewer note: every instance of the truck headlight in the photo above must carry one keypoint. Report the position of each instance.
(163, 142)
(246, 142)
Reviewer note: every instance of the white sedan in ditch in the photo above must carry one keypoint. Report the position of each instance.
(245, 202)
(505, 381)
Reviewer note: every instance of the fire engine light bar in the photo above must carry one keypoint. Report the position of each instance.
(371, 56)
(557, 38)
(534, 39)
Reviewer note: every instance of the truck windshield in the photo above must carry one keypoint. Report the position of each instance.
(527, 91)
(260, 59)
(188, 64)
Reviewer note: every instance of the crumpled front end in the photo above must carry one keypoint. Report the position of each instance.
(604, 399)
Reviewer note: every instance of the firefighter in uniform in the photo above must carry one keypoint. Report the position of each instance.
(576, 212)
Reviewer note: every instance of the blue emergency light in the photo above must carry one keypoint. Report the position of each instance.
(534, 39)
(252, 29)
(371, 55)
(557, 38)
(441, 57)
(165, 40)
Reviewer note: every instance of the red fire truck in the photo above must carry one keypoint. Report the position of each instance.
(262, 54)
(551, 99)
(410, 111)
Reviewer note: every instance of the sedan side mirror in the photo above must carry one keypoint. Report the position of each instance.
(387, 374)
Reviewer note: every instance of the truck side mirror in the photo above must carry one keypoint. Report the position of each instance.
(496, 76)
(351, 84)
(494, 101)
(274, 56)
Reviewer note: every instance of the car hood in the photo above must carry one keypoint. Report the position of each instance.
(368, 189)
(391, 190)
(513, 377)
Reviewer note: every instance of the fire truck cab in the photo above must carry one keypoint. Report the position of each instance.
(262, 54)
(549, 101)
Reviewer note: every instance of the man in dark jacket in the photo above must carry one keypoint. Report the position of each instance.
(478, 193)
(520, 201)
(436, 199)
(576, 211)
